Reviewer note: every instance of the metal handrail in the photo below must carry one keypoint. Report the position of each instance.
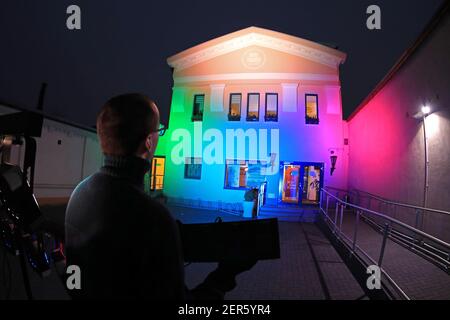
(402, 224)
(337, 226)
(400, 204)
(337, 189)
(417, 211)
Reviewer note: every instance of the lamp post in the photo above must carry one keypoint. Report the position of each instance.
(425, 112)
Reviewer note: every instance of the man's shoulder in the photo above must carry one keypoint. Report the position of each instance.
(89, 180)
(159, 211)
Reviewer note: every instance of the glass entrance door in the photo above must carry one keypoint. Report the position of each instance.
(300, 182)
(312, 174)
(290, 183)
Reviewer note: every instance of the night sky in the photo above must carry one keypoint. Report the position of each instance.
(123, 45)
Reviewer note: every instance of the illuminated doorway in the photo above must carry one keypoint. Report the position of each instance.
(312, 181)
(290, 183)
(300, 182)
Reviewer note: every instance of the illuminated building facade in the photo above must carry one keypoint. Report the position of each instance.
(254, 108)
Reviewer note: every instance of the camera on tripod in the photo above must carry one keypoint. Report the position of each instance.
(21, 220)
(20, 217)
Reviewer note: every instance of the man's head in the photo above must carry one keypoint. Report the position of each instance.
(127, 125)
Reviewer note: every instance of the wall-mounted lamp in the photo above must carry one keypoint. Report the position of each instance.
(333, 159)
(425, 110)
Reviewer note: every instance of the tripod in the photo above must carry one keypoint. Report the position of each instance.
(19, 223)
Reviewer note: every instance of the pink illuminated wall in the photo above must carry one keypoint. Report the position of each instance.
(386, 154)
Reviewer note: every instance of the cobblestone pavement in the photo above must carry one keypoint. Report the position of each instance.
(309, 267)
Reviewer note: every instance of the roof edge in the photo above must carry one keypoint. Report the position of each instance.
(253, 29)
(428, 30)
(49, 117)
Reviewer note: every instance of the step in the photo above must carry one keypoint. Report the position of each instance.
(290, 213)
(289, 209)
(290, 218)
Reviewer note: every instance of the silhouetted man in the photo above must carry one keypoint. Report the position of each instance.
(126, 244)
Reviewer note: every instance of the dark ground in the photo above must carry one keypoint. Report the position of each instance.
(309, 268)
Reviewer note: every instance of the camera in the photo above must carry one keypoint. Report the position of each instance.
(20, 218)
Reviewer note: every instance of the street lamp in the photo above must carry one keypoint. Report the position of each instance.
(425, 112)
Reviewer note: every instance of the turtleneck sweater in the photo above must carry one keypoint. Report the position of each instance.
(126, 244)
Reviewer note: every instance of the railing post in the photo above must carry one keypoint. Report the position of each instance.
(417, 219)
(340, 220)
(355, 231)
(321, 199)
(336, 215)
(328, 198)
(383, 244)
(394, 211)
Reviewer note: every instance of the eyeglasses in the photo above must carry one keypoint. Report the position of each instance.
(161, 130)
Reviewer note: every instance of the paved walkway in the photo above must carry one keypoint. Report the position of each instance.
(419, 278)
(309, 267)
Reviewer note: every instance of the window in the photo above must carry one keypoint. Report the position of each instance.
(244, 174)
(234, 113)
(199, 104)
(193, 168)
(253, 107)
(157, 173)
(271, 107)
(311, 109)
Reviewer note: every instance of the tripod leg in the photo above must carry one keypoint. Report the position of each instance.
(23, 265)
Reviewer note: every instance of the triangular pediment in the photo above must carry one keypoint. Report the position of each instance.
(254, 36)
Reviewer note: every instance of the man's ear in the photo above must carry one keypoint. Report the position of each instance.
(149, 143)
